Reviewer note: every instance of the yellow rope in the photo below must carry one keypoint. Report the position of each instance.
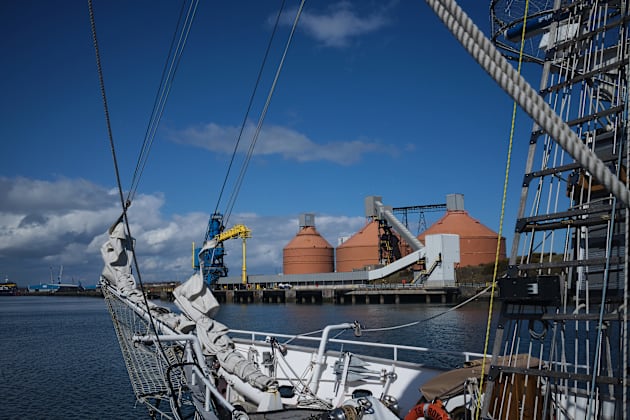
(498, 250)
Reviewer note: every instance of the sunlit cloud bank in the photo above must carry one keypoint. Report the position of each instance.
(48, 224)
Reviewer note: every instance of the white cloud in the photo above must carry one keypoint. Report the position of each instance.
(278, 140)
(45, 217)
(338, 25)
(29, 195)
(72, 234)
(160, 237)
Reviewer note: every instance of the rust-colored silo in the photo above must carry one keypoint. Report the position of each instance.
(308, 252)
(477, 243)
(360, 250)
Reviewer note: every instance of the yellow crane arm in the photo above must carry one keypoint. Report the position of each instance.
(236, 231)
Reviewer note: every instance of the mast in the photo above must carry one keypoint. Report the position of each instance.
(564, 303)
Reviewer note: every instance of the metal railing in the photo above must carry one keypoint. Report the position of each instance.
(263, 337)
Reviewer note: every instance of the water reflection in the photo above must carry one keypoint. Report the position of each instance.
(55, 347)
(461, 330)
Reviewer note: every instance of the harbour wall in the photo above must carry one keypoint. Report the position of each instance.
(388, 293)
(335, 294)
(338, 296)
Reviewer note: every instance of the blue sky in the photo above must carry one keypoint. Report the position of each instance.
(375, 98)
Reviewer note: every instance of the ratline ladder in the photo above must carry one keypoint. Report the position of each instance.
(561, 346)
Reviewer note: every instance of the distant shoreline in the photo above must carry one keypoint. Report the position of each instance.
(85, 293)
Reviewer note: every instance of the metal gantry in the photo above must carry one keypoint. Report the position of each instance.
(566, 296)
(403, 213)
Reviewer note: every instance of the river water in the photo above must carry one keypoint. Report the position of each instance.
(61, 359)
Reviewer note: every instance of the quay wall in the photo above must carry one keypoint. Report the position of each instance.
(341, 295)
(335, 294)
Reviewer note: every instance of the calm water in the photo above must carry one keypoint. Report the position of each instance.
(61, 358)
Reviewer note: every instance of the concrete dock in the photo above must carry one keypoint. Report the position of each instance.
(341, 295)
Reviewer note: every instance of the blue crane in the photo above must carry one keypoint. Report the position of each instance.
(209, 258)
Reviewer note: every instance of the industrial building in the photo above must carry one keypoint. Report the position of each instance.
(308, 252)
(377, 244)
(360, 250)
(477, 243)
(385, 250)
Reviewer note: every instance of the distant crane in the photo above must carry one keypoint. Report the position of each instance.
(58, 276)
(209, 258)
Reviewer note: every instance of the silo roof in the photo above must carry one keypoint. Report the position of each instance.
(461, 223)
(367, 236)
(308, 237)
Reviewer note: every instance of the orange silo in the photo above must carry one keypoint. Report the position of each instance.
(360, 250)
(477, 243)
(308, 252)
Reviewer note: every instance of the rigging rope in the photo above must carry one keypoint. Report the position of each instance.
(533, 104)
(263, 114)
(124, 204)
(168, 74)
(249, 106)
(409, 324)
(503, 200)
(626, 272)
(606, 275)
(101, 80)
(491, 60)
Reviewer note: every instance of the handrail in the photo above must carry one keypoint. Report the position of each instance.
(467, 356)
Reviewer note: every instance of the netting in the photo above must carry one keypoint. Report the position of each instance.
(147, 365)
